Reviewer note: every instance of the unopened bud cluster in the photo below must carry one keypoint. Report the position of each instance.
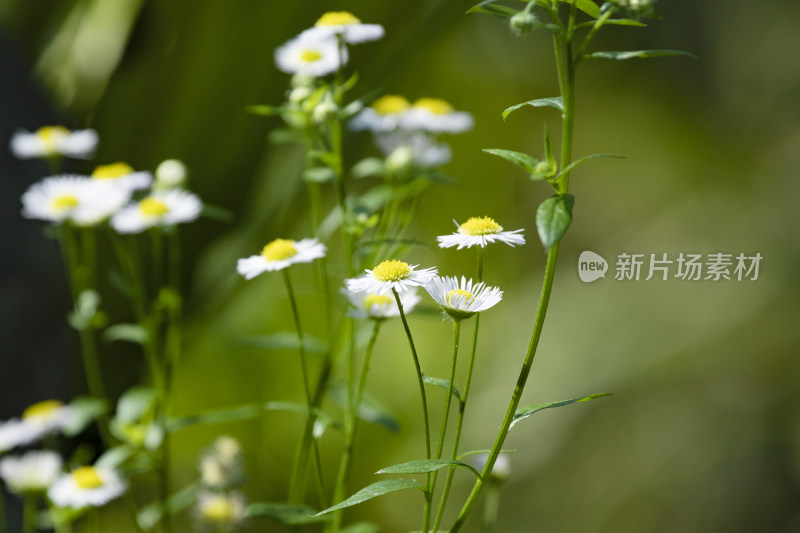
(221, 470)
(522, 23)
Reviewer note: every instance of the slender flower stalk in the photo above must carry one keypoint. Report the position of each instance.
(29, 514)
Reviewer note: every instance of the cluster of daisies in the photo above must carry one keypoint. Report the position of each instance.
(375, 294)
(40, 472)
(131, 201)
(219, 503)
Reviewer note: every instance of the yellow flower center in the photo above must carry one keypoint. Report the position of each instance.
(49, 134)
(480, 226)
(279, 250)
(218, 510)
(337, 18)
(376, 299)
(65, 201)
(42, 409)
(112, 171)
(87, 477)
(390, 104)
(436, 106)
(458, 294)
(153, 207)
(392, 270)
(309, 56)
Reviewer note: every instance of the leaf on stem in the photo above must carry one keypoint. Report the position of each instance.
(475, 452)
(614, 22)
(361, 527)
(83, 411)
(284, 340)
(265, 110)
(587, 6)
(491, 7)
(444, 384)
(369, 410)
(126, 332)
(319, 175)
(424, 466)
(584, 159)
(373, 491)
(632, 54)
(553, 218)
(524, 161)
(285, 513)
(524, 412)
(555, 103)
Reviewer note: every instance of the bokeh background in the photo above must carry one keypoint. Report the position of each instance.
(703, 433)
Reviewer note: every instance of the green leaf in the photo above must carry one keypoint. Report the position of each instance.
(549, 155)
(555, 103)
(323, 420)
(126, 332)
(150, 515)
(614, 22)
(373, 491)
(585, 159)
(319, 174)
(83, 411)
(523, 161)
(113, 457)
(361, 527)
(371, 166)
(135, 403)
(284, 340)
(631, 54)
(215, 212)
(553, 218)
(524, 412)
(587, 6)
(265, 110)
(368, 411)
(443, 383)
(423, 466)
(221, 416)
(489, 7)
(475, 452)
(285, 513)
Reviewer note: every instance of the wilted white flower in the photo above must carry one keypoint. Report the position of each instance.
(77, 199)
(392, 274)
(87, 486)
(280, 254)
(162, 208)
(462, 299)
(436, 116)
(345, 24)
(224, 511)
(33, 472)
(420, 149)
(310, 56)
(51, 141)
(480, 231)
(123, 175)
(380, 306)
(383, 115)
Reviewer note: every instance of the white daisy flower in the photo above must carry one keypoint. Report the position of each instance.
(418, 147)
(383, 115)
(352, 30)
(280, 254)
(123, 175)
(43, 418)
(225, 511)
(162, 208)
(310, 56)
(480, 231)
(77, 199)
(15, 433)
(33, 472)
(392, 274)
(437, 116)
(87, 486)
(462, 299)
(380, 306)
(51, 141)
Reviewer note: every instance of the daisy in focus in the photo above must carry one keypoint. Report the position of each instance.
(54, 141)
(436, 116)
(30, 473)
(462, 299)
(391, 275)
(123, 175)
(383, 115)
(480, 231)
(162, 208)
(346, 25)
(280, 254)
(87, 486)
(225, 512)
(380, 306)
(310, 56)
(77, 199)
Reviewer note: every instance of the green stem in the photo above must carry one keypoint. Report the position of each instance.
(491, 506)
(425, 423)
(462, 407)
(597, 25)
(29, 515)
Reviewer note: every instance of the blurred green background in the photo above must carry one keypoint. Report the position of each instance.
(703, 433)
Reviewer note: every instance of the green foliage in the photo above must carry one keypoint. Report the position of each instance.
(584, 159)
(284, 340)
(636, 54)
(153, 513)
(524, 412)
(556, 103)
(285, 513)
(84, 411)
(368, 411)
(423, 466)
(373, 491)
(444, 384)
(553, 218)
(126, 332)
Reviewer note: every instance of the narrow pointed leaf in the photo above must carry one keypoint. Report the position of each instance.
(285, 513)
(632, 54)
(476, 452)
(490, 7)
(555, 103)
(524, 412)
(423, 466)
(584, 159)
(549, 155)
(265, 110)
(373, 491)
(247, 412)
(126, 332)
(614, 22)
(524, 161)
(443, 383)
(587, 6)
(553, 218)
(361, 527)
(284, 340)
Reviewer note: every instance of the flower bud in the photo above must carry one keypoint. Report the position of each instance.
(522, 23)
(325, 110)
(299, 94)
(399, 159)
(170, 174)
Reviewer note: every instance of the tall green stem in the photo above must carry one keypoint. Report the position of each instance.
(491, 506)
(29, 515)
(424, 398)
